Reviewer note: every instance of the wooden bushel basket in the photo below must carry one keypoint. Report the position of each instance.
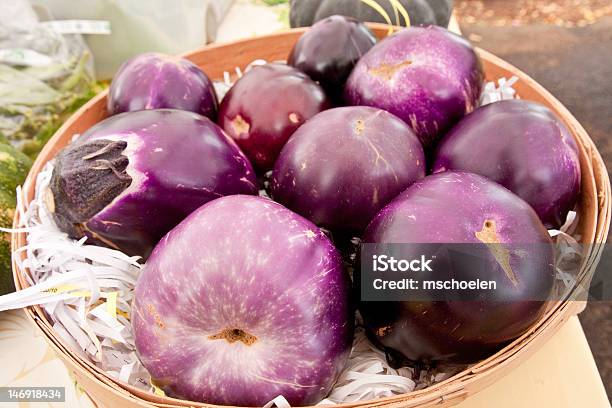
(594, 220)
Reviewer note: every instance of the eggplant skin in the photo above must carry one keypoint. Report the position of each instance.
(158, 81)
(427, 76)
(523, 146)
(241, 302)
(329, 50)
(266, 106)
(345, 164)
(454, 208)
(133, 177)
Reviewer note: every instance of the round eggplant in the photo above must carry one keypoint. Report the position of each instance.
(427, 76)
(156, 81)
(241, 302)
(345, 164)
(471, 215)
(329, 50)
(264, 107)
(523, 146)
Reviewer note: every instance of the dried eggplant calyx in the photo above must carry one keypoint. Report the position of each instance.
(86, 178)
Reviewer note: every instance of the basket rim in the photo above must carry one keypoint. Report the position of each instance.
(456, 385)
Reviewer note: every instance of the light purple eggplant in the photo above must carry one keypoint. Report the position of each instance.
(462, 208)
(157, 81)
(343, 165)
(427, 76)
(132, 177)
(523, 146)
(241, 302)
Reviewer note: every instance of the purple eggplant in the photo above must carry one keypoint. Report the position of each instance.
(132, 177)
(472, 213)
(241, 302)
(427, 76)
(157, 81)
(523, 146)
(264, 107)
(329, 50)
(345, 164)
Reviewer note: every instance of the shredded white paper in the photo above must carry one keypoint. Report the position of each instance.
(221, 87)
(501, 92)
(368, 375)
(87, 290)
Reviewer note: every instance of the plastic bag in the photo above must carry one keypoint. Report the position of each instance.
(140, 26)
(44, 75)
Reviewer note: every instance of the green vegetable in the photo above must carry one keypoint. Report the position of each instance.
(34, 145)
(275, 2)
(14, 167)
(35, 101)
(422, 12)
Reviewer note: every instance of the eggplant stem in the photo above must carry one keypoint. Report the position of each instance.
(232, 335)
(103, 150)
(108, 165)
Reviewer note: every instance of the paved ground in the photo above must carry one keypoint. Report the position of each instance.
(563, 13)
(575, 64)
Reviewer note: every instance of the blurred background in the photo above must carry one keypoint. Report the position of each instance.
(57, 54)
